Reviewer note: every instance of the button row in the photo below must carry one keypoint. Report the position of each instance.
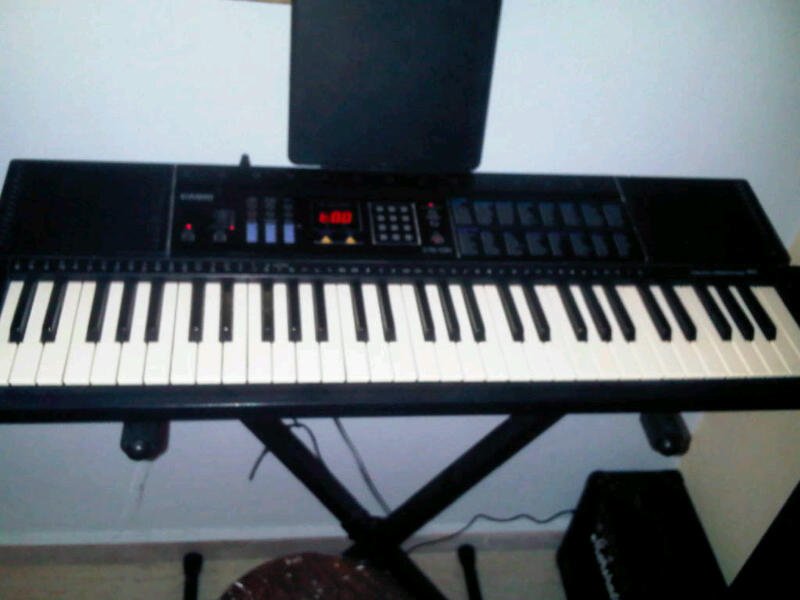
(542, 245)
(528, 213)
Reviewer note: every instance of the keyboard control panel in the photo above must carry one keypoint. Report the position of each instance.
(460, 221)
(544, 229)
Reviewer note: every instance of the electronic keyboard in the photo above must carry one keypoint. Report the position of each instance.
(185, 291)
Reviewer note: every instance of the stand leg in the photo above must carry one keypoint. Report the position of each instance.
(500, 444)
(312, 473)
(378, 540)
(355, 520)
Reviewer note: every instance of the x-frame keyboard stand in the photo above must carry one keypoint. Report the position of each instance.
(378, 539)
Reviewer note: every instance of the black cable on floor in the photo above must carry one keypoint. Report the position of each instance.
(493, 519)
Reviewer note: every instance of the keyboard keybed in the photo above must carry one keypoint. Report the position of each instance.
(215, 331)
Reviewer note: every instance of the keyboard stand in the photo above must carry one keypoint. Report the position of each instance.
(378, 539)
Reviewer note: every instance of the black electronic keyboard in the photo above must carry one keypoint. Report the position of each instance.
(135, 290)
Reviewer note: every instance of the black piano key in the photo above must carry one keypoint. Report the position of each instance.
(4, 293)
(226, 312)
(126, 312)
(620, 313)
(267, 312)
(679, 312)
(736, 313)
(154, 311)
(574, 315)
(359, 313)
(714, 313)
(474, 313)
(23, 311)
(53, 313)
(320, 316)
(537, 313)
(293, 312)
(760, 315)
(387, 316)
(512, 316)
(424, 310)
(599, 318)
(450, 319)
(656, 314)
(196, 313)
(98, 313)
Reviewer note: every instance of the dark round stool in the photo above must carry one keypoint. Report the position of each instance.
(311, 576)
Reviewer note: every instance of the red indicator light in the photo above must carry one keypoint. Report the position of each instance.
(231, 227)
(188, 227)
(335, 217)
(430, 204)
(342, 217)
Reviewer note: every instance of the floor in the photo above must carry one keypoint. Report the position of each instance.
(504, 574)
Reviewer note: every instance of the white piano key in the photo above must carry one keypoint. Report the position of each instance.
(561, 336)
(355, 353)
(625, 355)
(446, 353)
(539, 368)
(259, 352)
(746, 350)
(234, 352)
(769, 352)
(134, 352)
(107, 350)
(331, 352)
(380, 361)
(688, 352)
(599, 351)
(720, 361)
(424, 352)
(491, 354)
(787, 339)
(498, 332)
(209, 350)
(583, 365)
(26, 360)
(54, 354)
(401, 350)
(183, 370)
(8, 349)
(657, 358)
(159, 353)
(309, 368)
(81, 352)
(557, 353)
(704, 345)
(284, 367)
(469, 356)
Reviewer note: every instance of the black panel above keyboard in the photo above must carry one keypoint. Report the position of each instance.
(708, 223)
(99, 211)
(82, 208)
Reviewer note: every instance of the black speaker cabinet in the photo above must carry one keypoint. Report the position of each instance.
(636, 536)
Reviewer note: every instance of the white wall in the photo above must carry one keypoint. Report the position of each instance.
(702, 88)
